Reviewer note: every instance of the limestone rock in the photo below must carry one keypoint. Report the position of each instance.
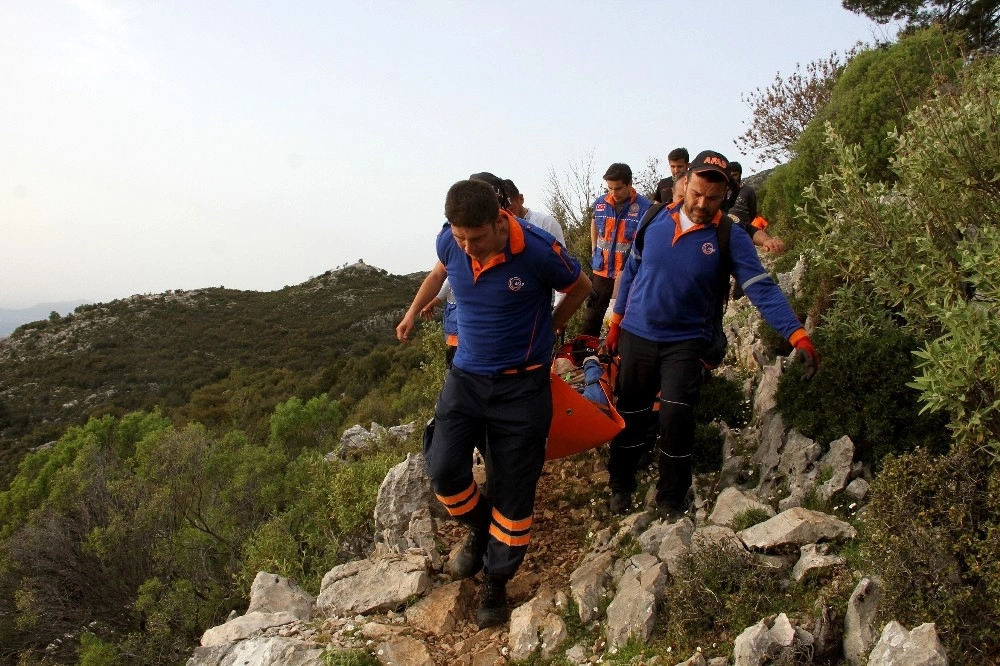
(813, 559)
(899, 647)
(243, 626)
(859, 621)
(588, 585)
(263, 651)
(797, 526)
(536, 625)
(440, 611)
(271, 593)
(404, 651)
(732, 502)
(365, 586)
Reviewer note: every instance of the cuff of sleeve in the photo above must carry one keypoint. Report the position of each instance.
(797, 335)
(617, 318)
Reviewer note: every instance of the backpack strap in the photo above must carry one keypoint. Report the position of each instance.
(651, 212)
(724, 231)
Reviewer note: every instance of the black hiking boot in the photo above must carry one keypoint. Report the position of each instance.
(469, 560)
(620, 503)
(493, 609)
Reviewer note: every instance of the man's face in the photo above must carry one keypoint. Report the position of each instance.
(677, 167)
(680, 186)
(703, 198)
(736, 177)
(517, 206)
(482, 243)
(620, 190)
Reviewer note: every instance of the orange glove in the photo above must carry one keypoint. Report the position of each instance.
(810, 357)
(614, 332)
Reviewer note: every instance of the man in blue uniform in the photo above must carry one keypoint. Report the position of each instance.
(663, 325)
(502, 273)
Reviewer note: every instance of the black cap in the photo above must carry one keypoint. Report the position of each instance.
(496, 184)
(709, 160)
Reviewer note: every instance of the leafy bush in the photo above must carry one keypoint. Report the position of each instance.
(933, 536)
(861, 391)
(721, 400)
(719, 590)
(924, 253)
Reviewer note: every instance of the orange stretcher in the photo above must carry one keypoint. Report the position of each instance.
(578, 424)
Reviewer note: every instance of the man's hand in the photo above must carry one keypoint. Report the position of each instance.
(427, 312)
(810, 357)
(775, 245)
(405, 327)
(611, 339)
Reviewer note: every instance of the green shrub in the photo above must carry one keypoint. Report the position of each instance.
(749, 518)
(933, 537)
(861, 391)
(718, 591)
(721, 400)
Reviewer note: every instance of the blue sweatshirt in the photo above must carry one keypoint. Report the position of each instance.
(668, 288)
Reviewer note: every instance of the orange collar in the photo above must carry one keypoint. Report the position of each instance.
(515, 245)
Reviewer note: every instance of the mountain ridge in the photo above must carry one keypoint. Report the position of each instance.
(188, 352)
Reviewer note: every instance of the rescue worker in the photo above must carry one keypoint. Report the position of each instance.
(502, 273)
(677, 160)
(615, 221)
(663, 324)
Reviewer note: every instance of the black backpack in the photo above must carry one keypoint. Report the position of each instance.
(717, 347)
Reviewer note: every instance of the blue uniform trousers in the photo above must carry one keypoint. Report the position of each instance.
(513, 413)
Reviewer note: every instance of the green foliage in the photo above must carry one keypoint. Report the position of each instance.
(721, 401)
(354, 657)
(933, 537)
(925, 252)
(329, 516)
(749, 518)
(95, 652)
(861, 392)
(298, 425)
(718, 589)
(221, 357)
(867, 106)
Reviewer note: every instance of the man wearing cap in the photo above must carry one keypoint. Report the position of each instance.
(615, 221)
(502, 273)
(662, 327)
(741, 204)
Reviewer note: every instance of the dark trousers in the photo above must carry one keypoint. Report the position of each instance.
(597, 305)
(512, 412)
(674, 369)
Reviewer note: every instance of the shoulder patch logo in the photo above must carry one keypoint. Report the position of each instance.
(599, 207)
(708, 248)
(515, 283)
(633, 209)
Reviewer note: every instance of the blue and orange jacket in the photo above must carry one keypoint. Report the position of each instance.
(668, 287)
(614, 233)
(505, 306)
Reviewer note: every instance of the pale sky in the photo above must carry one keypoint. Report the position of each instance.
(177, 144)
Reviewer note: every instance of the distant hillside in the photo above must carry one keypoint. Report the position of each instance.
(220, 356)
(11, 318)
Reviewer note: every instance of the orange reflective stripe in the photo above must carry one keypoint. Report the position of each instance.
(503, 537)
(511, 525)
(462, 503)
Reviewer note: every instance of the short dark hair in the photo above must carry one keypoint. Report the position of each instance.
(511, 188)
(737, 167)
(471, 203)
(678, 154)
(620, 172)
(496, 183)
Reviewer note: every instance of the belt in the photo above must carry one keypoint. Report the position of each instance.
(521, 371)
